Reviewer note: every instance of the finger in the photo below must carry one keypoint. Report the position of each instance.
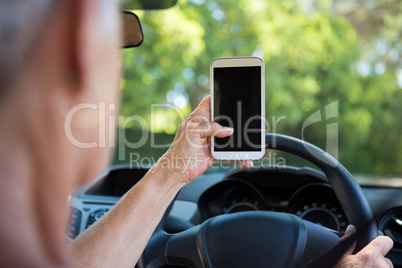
(246, 163)
(207, 129)
(348, 241)
(223, 132)
(388, 262)
(381, 244)
(212, 161)
(350, 230)
(202, 112)
(205, 103)
(243, 163)
(345, 247)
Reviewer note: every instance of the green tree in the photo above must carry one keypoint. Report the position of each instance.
(315, 54)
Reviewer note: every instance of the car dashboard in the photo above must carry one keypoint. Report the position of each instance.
(304, 192)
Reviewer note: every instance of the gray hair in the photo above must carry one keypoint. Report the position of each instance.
(21, 23)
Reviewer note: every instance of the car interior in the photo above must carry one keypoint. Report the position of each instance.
(300, 191)
(293, 207)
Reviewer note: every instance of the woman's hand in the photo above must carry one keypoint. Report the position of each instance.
(371, 256)
(189, 155)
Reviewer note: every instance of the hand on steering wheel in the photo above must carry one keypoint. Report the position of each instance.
(371, 256)
(271, 239)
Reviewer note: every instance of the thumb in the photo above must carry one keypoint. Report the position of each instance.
(348, 240)
(346, 245)
(203, 111)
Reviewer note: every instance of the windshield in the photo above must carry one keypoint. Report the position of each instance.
(333, 75)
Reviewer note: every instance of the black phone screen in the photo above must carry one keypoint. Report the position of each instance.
(237, 104)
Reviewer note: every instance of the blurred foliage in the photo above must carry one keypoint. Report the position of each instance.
(316, 53)
(148, 4)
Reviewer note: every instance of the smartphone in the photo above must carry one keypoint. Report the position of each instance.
(238, 101)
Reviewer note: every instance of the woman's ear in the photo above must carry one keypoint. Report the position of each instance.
(95, 55)
(81, 28)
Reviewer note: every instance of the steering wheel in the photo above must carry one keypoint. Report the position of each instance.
(261, 238)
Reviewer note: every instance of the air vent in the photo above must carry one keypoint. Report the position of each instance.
(391, 225)
(96, 215)
(74, 222)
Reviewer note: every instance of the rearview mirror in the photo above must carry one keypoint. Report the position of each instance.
(132, 33)
(149, 4)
